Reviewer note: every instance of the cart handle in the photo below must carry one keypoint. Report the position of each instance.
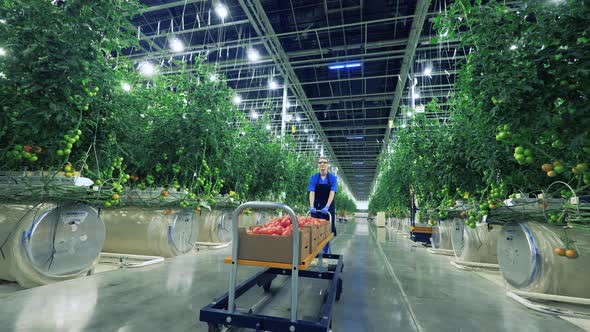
(329, 214)
(235, 245)
(265, 205)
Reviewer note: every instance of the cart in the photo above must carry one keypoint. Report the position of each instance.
(222, 311)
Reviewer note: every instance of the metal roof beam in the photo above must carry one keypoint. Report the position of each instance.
(180, 32)
(168, 5)
(355, 119)
(415, 31)
(263, 27)
(381, 126)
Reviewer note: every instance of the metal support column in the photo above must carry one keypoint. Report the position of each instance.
(284, 111)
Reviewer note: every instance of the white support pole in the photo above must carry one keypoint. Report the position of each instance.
(284, 111)
(412, 94)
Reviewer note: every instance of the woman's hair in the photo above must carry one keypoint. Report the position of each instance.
(322, 157)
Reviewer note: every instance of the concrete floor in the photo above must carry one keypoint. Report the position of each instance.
(389, 285)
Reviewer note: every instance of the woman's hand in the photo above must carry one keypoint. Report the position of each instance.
(324, 210)
(312, 210)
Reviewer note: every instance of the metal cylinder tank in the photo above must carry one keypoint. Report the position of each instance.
(48, 242)
(221, 229)
(441, 235)
(528, 262)
(475, 244)
(150, 231)
(406, 226)
(398, 224)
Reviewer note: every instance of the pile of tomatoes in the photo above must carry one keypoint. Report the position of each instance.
(283, 226)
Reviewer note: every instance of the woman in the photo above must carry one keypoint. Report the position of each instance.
(322, 188)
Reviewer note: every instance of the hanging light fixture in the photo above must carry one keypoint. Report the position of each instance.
(253, 55)
(176, 45)
(254, 115)
(221, 11)
(126, 86)
(147, 68)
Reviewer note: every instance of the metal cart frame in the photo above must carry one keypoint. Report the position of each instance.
(222, 311)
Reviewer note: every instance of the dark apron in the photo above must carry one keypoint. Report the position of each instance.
(322, 193)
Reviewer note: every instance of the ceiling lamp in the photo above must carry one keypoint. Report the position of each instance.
(253, 55)
(345, 65)
(176, 45)
(126, 86)
(273, 85)
(147, 68)
(221, 11)
(237, 100)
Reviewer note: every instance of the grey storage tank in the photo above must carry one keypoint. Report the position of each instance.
(48, 242)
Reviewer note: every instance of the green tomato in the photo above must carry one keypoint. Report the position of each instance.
(34, 158)
(557, 144)
(69, 146)
(559, 169)
(520, 158)
(67, 151)
(529, 160)
(60, 152)
(528, 152)
(519, 150)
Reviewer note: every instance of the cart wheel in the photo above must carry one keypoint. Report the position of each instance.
(267, 286)
(339, 289)
(214, 327)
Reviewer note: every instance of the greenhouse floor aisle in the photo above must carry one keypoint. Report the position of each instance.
(389, 285)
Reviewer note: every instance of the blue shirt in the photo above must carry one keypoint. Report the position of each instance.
(314, 179)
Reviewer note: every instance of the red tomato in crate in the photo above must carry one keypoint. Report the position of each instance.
(287, 232)
(266, 231)
(279, 230)
(256, 230)
(285, 223)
